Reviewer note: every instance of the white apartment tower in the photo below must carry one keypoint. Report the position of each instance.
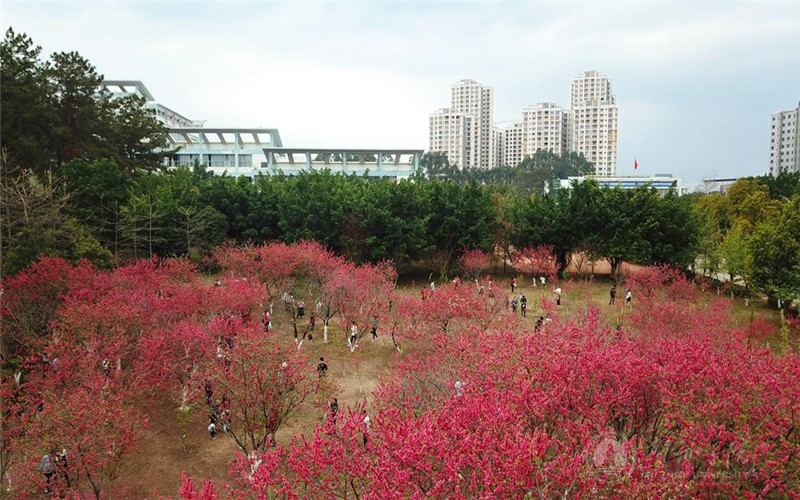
(511, 141)
(545, 128)
(449, 133)
(593, 116)
(472, 104)
(784, 148)
(497, 145)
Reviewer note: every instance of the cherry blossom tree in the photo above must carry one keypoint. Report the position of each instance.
(362, 294)
(175, 358)
(473, 262)
(536, 261)
(260, 384)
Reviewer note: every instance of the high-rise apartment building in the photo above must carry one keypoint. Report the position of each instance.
(545, 128)
(784, 148)
(450, 134)
(593, 121)
(475, 103)
(497, 145)
(511, 141)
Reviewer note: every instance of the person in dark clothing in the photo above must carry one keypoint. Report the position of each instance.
(322, 368)
(374, 327)
(209, 392)
(334, 406)
(63, 465)
(48, 468)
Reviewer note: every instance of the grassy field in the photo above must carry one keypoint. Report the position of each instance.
(161, 455)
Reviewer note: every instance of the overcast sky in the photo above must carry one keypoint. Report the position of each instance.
(695, 82)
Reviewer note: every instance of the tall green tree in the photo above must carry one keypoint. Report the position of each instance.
(396, 217)
(79, 116)
(53, 112)
(27, 108)
(434, 165)
(460, 217)
(782, 186)
(735, 250)
(775, 250)
(36, 222)
(97, 192)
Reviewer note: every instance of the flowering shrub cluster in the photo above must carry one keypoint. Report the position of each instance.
(678, 405)
(91, 352)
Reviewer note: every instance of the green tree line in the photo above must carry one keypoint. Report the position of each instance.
(124, 215)
(752, 234)
(80, 178)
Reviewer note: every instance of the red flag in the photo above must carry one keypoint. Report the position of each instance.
(635, 164)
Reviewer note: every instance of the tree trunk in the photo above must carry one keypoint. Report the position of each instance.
(562, 261)
(150, 228)
(615, 262)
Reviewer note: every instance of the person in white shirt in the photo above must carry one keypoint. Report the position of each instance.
(366, 429)
(353, 341)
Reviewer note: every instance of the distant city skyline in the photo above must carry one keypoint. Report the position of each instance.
(468, 135)
(696, 83)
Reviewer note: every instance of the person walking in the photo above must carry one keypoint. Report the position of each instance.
(523, 305)
(312, 321)
(628, 297)
(557, 291)
(374, 327)
(366, 428)
(514, 306)
(265, 321)
(48, 468)
(513, 284)
(334, 406)
(612, 295)
(62, 466)
(209, 390)
(353, 336)
(322, 368)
